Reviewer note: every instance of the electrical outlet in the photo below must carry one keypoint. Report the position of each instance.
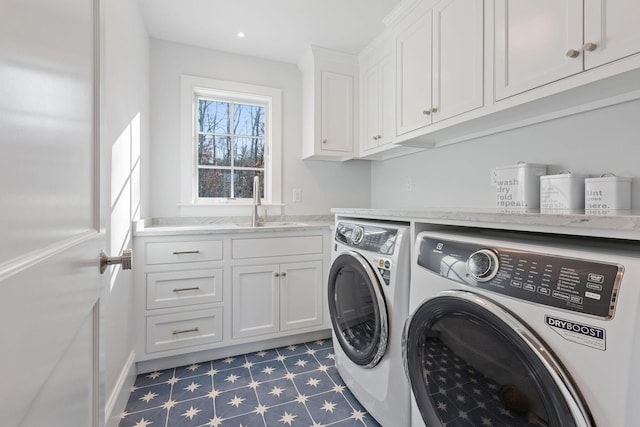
(408, 184)
(297, 195)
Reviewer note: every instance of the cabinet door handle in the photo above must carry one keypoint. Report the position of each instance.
(185, 252)
(324, 141)
(434, 110)
(195, 288)
(374, 138)
(589, 47)
(185, 331)
(572, 53)
(283, 274)
(426, 112)
(276, 274)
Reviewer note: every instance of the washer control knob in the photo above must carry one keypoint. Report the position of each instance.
(482, 265)
(357, 235)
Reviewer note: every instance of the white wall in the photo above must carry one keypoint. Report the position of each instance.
(605, 140)
(125, 124)
(324, 184)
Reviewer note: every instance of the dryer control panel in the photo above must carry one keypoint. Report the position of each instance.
(580, 285)
(367, 237)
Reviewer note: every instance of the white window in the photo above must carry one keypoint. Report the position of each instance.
(231, 132)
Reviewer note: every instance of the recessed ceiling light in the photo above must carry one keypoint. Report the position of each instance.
(240, 35)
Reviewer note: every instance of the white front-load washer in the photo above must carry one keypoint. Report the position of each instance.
(523, 330)
(368, 294)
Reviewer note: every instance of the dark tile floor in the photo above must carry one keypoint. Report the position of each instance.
(289, 386)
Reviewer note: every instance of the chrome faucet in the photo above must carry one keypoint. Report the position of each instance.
(255, 219)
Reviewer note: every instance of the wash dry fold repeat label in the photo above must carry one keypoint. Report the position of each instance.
(578, 333)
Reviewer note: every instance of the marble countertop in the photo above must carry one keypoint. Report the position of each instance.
(624, 225)
(226, 225)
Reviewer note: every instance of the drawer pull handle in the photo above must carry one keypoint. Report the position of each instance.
(185, 331)
(186, 252)
(195, 288)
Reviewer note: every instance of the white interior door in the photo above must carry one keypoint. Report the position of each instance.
(49, 213)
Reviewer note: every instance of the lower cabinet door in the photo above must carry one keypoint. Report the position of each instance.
(255, 300)
(301, 294)
(180, 330)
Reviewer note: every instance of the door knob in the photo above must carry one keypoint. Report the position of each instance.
(124, 259)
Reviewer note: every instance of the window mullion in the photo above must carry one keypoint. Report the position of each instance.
(232, 143)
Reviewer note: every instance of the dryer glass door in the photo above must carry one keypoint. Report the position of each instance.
(471, 362)
(357, 309)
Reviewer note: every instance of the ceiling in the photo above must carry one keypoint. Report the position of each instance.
(279, 30)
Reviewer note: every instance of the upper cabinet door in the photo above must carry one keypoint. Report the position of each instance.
(413, 50)
(457, 57)
(387, 95)
(337, 112)
(610, 30)
(370, 108)
(536, 42)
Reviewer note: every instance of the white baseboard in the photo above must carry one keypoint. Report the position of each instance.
(118, 397)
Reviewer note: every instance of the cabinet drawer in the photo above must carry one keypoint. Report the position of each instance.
(180, 330)
(178, 288)
(276, 246)
(189, 251)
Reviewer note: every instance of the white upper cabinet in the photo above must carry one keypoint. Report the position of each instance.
(611, 30)
(329, 107)
(378, 97)
(540, 42)
(439, 60)
(336, 114)
(458, 57)
(535, 43)
(413, 84)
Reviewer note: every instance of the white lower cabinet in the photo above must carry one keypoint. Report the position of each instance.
(183, 330)
(211, 292)
(276, 297)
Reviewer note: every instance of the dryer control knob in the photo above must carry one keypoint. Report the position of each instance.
(482, 265)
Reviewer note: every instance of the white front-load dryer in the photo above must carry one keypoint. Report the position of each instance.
(523, 330)
(368, 295)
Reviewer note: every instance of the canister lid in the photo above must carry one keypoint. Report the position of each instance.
(565, 175)
(522, 165)
(607, 178)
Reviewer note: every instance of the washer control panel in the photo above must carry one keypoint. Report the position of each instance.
(367, 237)
(585, 286)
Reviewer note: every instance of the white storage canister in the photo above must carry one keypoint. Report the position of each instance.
(608, 192)
(562, 192)
(518, 186)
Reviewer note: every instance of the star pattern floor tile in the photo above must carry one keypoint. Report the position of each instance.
(294, 386)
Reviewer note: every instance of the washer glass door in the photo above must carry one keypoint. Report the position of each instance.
(357, 309)
(472, 363)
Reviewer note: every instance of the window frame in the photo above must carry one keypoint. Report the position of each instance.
(194, 87)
